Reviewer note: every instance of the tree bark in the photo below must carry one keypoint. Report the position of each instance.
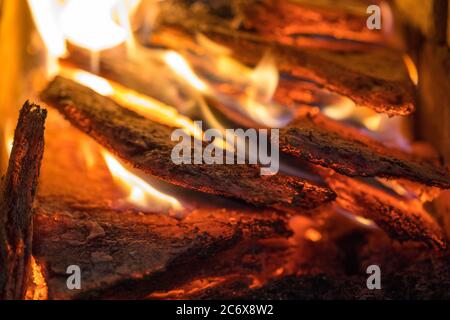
(16, 201)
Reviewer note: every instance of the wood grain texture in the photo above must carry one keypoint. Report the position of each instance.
(18, 189)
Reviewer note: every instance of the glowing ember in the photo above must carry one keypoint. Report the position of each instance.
(313, 235)
(140, 192)
(9, 137)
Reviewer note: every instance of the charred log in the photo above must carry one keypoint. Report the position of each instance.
(18, 189)
(328, 143)
(147, 146)
(403, 219)
(124, 253)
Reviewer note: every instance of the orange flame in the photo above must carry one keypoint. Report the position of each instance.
(254, 88)
(140, 192)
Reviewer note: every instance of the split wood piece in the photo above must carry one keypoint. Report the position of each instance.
(403, 219)
(376, 78)
(315, 138)
(147, 146)
(410, 272)
(17, 192)
(124, 253)
(285, 21)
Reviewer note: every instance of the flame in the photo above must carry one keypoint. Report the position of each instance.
(87, 24)
(90, 24)
(341, 109)
(313, 235)
(96, 83)
(372, 122)
(141, 104)
(364, 221)
(44, 14)
(140, 192)
(38, 290)
(182, 68)
(264, 79)
(253, 89)
(412, 69)
(9, 137)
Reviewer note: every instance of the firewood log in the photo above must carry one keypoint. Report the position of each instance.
(17, 192)
(329, 143)
(125, 253)
(366, 76)
(402, 219)
(147, 146)
(286, 21)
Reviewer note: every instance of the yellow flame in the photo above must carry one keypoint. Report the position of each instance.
(39, 289)
(313, 235)
(182, 68)
(364, 221)
(264, 80)
(96, 83)
(141, 104)
(412, 69)
(372, 122)
(90, 24)
(141, 193)
(342, 109)
(254, 89)
(9, 137)
(44, 14)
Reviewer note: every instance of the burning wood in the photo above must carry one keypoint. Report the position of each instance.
(16, 202)
(287, 21)
(147, 146)
(133, 251)
(328, 143)
(384, 90)
(402, 219)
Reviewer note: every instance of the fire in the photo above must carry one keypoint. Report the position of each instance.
(139, 103)
(98, 84)
(93, 25)
(252, 89)
(9, 137)
(313, 235)
(182, 68)
(38, 290)
(90, 24)
(45, 17)
(140, 192)
(412, 69)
